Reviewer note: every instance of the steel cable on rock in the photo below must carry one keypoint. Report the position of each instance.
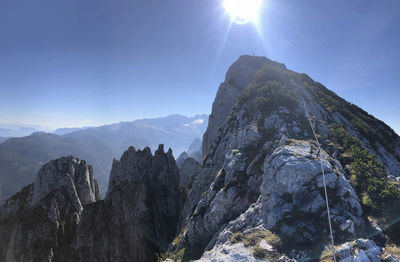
(324, 181)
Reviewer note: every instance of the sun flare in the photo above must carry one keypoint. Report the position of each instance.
(243, 11)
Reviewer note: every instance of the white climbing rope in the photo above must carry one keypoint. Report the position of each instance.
(323, 178)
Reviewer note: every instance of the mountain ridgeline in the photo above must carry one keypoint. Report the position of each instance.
(257, 194)
(21, 158)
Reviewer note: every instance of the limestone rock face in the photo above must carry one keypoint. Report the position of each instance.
(234, 252)
(293, 183)
(38, 223)
(257, 195)
(262, 169)
(139, 215)
(283, 192)
(238, 77)
(359, 250)
(61, 217)
(72, 176)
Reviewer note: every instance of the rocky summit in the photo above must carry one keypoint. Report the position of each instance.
(39, 222)
(61, 217)
(257, 195)
(139, 215)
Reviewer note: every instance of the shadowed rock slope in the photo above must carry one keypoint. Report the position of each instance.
(61, 217)
(39, 223)
(139, 215)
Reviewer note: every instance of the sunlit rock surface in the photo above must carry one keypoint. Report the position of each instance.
(256, 195)
(261, 168)
(39, 222)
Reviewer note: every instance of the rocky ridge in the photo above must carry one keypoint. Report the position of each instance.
(61, 217)
(139, 215)
(258, 194)
(22, 157)
(261, 170)
(36, 223)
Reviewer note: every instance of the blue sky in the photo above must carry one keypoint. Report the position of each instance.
(79, 63)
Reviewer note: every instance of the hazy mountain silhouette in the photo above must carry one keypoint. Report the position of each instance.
(67, 130)
(21, 158)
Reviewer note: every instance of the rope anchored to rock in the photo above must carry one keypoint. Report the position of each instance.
(324, 180)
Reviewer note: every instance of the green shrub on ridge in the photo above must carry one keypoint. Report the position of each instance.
(368, 174)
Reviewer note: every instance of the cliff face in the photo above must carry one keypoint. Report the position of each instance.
(139, 215)
(238, 77)
(257, 195)
(61, 217)
(38, 223)
(261, 177)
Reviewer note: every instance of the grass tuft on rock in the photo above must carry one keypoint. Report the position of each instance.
(174, 256)
(253, 238)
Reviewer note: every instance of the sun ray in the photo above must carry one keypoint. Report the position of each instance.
(222, 47)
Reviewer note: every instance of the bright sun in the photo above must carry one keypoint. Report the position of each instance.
(243, 11)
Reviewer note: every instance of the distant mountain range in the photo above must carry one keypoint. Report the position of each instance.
(67, 130)
(21, 131)
(21, 158)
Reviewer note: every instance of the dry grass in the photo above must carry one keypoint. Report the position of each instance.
(253, 238)
(391, 249)
(174, 256)
(326, 255)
